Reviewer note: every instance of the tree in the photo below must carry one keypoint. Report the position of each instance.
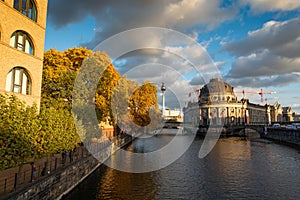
(18, 124)
(26, 135)
(104, 92)
(57, 132)
(143, 100)
(59, 72)
(61, 69)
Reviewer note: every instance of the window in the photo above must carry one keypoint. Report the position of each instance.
(18, 80)
(26, 7)
(20, 40)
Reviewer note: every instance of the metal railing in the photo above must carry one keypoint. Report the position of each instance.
(20, 177)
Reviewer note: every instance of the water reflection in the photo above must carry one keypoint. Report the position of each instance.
(121, 185)
(235, 169)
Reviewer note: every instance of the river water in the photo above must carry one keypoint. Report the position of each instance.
(235, 169)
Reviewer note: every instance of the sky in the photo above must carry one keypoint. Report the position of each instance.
(251, 44)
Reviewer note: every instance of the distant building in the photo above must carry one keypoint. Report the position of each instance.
(276, 113)
(173, 115)
(22, 33)
(296, 117)
(108, 130)
(218, 105)
(287, 114)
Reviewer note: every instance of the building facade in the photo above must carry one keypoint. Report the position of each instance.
(173, 115)
(218, 105)
(296, 117)
(287, 114)
(22, 35)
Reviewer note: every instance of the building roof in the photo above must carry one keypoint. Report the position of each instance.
(216, 89)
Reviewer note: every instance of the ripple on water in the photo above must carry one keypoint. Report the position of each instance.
(235, 169)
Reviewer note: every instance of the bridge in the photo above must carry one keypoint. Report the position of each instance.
(285, 135)
(231, 130)
(241, 129)
(279, 134)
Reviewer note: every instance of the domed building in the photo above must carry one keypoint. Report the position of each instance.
(218, 106)
(216, 91)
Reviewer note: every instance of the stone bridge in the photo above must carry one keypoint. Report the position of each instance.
(284, 135)
(241, 129)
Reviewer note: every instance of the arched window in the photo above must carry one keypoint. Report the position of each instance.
(26, 7)
(19, 81)
(20, 40)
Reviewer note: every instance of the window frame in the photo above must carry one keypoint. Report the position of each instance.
(16, 84)
(22, 45)
(27, 8)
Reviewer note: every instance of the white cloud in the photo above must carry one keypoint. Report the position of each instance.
(296, 105)
(265, 81)
(279, 37)
(177, 93)
(117, 16)
(267, 56)
(263, 64)
(186, 13)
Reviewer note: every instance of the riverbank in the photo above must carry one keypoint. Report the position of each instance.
(284, 136)
(62, 180)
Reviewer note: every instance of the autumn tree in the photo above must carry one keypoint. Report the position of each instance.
(143, 104)
(135, 107)
(61, 69)
(96, 78)
(105, 88)
(120, 104)
(59, 72)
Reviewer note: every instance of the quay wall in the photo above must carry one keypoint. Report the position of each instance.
(288, 136)
(59, 183)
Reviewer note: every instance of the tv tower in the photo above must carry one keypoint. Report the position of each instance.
(163, 89)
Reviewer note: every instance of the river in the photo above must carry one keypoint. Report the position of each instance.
(235, 169)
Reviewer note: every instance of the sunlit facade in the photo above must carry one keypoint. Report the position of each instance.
(22, 35)
(218, 105)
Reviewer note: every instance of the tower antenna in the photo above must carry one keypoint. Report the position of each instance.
(163, 89)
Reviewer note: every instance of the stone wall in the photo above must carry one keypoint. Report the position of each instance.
(283, 135)
(59, 183)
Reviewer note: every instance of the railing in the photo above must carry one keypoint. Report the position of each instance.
(19, 177)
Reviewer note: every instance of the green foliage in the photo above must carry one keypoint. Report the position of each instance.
(57, 131)
(25, 134)
(17, 127)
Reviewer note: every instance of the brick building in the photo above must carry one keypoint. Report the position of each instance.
(22, 35)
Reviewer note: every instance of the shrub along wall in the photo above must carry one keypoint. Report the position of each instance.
(57, 184)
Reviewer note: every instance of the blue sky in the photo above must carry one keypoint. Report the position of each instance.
(254, 43)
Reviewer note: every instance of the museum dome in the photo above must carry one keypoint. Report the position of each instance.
(215, 91)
